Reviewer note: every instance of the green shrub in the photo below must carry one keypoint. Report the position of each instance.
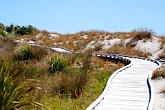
(20, 30)
(23, 54)
(57, 63)
(2, 33)
(2, 29)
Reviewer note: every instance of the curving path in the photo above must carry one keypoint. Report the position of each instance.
(129, 88)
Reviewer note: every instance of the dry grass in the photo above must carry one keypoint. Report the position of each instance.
(162, 91)
(138, 35)
(39, 53)
(89, 39)
(97, 47)
(77, 37)
(99, 64)
(160, 72)
(73, 41)
(120, 35)
(47, 42)
(62, 39)
(162, 39)
(126, 50)
(162, 55)
(45, 32)
(142, 34)
(6, 46)
(78, 42)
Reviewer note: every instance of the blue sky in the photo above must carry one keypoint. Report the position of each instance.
(69, 16)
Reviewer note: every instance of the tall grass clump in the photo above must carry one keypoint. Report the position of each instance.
(160, 72)
(162, 39)
(82, 78)
(57, 63)
(142, 34)
(23, 53)
(162, 55)
(98, 47)
(39, 53)
(163, 91)
(70, 81)
(6, 46)
(12, 90)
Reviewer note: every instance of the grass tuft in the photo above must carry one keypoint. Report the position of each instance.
(57, 63)
(24, 53)
(13, 89)
(142, 34)
(163, 91)
(160, 72)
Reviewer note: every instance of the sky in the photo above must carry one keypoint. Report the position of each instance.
(70, 16)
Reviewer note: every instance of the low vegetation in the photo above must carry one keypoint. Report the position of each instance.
(162, 40)
(126, 50)
(142, 34)
(162, 55)
(13, 89)
(41, 79)
(160, 72)
(163, 91)
(25, 52)
(57, 63)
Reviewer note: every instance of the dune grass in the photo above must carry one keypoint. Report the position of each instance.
(162, 91)
(126, 50)
(160, 72)
(162, 39)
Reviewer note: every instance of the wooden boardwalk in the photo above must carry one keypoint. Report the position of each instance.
(129, 88)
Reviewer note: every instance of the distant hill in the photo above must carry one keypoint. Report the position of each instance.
(142, 43)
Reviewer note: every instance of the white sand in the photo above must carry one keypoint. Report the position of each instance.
(109, 43)
(85, 36)
(106, 44)
(152, 46)
(159, 84)
(60, 50)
